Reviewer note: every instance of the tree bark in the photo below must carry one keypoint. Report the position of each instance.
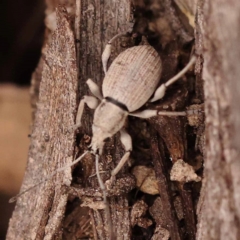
(218, 37)
(38, 213)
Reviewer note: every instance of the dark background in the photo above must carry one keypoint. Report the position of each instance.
(21, 37)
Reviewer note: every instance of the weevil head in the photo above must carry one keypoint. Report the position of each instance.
(108, 120)
(98, 139)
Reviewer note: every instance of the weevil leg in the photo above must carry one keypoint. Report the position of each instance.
(126, 140)
(160, 92)
(107, 51)
(152, 113)
(95, 90)
(91, 102)
(103, 188)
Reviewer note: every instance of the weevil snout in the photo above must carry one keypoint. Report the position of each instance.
(108, 120)
(99, 135)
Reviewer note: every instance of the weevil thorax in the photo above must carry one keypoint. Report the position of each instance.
(108, 120)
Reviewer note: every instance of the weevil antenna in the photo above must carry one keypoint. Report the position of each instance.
(116, 36)
(160, 91)
(103, 188)
(13, 199)
(181, 73)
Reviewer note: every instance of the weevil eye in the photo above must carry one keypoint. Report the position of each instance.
(89, 148)
(97, 152)
(106, 139)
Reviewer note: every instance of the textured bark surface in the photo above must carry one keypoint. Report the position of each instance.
(38, 213)
(218, 37)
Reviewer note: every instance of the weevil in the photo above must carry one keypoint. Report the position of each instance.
(129, 83)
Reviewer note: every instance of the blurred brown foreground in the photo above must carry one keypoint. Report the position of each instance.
(15, 119)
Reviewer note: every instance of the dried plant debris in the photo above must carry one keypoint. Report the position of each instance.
(92, 203)
(159, 216)
(195, 115)
(138, 213)
(189, 8)
(178, 207)
(146, 179)
(183, 172)
(77, 223)
(120, 187)
(161, 233)
(196, 119)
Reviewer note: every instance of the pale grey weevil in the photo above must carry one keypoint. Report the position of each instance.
(128, 84)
